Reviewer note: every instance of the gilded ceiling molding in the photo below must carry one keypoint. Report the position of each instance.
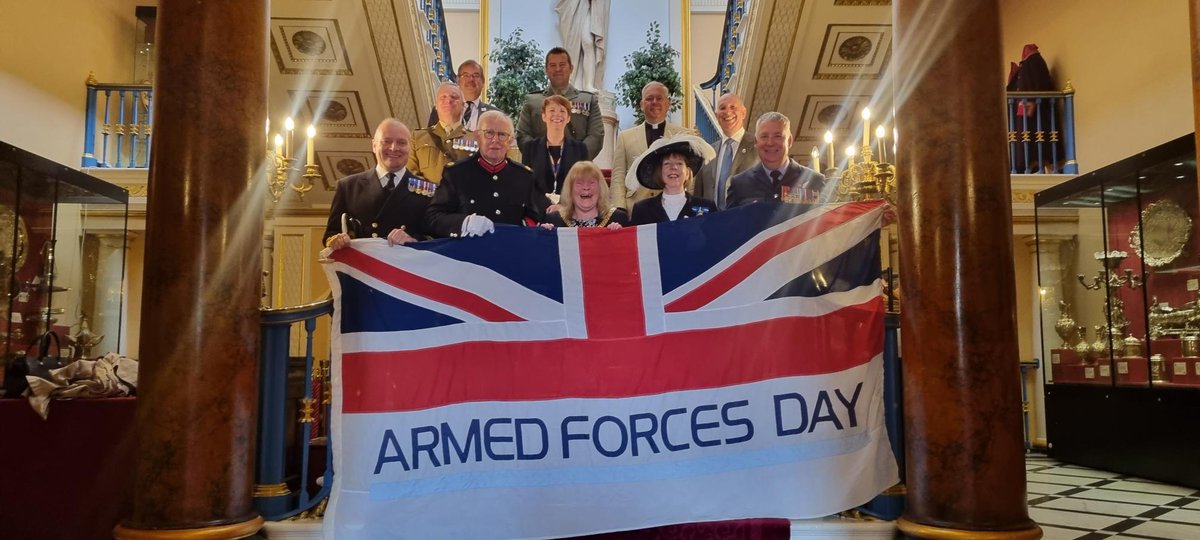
(403, 56)
(779, 38)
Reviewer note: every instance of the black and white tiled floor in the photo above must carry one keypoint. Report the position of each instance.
(1077, 503)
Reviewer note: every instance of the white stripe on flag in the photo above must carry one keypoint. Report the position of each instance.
(479, 280)
(652, 298)
(572, 282)
(791, 306)
(784, 267)
(745, 248)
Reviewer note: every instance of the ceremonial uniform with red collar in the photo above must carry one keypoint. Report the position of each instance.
(504, 193)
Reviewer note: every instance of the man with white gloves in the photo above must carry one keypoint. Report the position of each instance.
(486, 188)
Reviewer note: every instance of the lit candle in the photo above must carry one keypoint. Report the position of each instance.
(312, 132)
(879, 131)
(268, 131)
(866, 116)
(816, 155)
(278, 145)
(289, 126)
(829, 145)
(850, 156)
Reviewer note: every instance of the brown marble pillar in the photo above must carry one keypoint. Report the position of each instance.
(199, 337)
(962, 399)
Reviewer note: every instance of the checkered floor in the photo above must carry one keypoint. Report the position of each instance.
(1072, 502)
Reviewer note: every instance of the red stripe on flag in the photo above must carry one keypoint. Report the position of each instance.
(433, 290)
(612, 283)
(763, 252)
(698, 359)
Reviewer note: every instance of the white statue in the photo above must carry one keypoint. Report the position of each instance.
(583, 25)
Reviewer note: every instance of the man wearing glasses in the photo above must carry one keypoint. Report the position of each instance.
(486, 188)
(470, 79)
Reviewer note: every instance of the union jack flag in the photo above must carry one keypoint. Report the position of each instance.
(484, 372)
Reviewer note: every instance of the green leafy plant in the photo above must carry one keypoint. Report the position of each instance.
(653, 62)
(520, 69)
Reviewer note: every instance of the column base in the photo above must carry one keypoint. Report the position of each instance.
(219, 532)
(919, 530)
(841, 527)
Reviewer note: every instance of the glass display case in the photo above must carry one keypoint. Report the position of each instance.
(1119, 272)
(62, 256)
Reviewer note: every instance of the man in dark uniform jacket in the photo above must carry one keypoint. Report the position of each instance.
(585, 125)
(385, 202)
(778, 177)
(485, 188)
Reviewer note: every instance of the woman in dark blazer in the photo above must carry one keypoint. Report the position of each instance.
(552, 156)
(671, 165)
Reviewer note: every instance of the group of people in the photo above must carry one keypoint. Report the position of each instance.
(472, 168)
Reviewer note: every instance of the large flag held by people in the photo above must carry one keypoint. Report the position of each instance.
(540, 384)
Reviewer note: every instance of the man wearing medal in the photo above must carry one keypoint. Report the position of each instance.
(585, 123)
(384, 202)
(446, 141)
(778, 177)
(485, 189)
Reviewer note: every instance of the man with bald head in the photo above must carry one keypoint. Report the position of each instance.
(735, 152)
(486, 188)
(446, 141)
(632, 142)
(385, 202)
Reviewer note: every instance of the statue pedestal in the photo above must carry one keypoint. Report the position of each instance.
(611, 125)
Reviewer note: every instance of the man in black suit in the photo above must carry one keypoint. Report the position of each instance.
(472, 83)
(385, 201)
(735, 151)
(778, 177)
(485, 188)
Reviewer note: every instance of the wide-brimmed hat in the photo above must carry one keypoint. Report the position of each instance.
(645, 168)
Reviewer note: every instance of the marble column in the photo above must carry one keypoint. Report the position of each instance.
(612, 126)
(197, 400)
(964, 448)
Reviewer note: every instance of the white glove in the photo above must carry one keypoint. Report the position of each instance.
(477, 225)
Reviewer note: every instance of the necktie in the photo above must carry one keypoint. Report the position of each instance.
(723, 172)
(391, 182)
(467, 115)
(775, 176)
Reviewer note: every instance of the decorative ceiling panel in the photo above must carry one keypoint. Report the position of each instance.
(839, 114)
(337, 113)
(854, 51)
(309, 46)
(337, 164)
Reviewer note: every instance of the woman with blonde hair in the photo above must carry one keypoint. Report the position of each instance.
(584, 201)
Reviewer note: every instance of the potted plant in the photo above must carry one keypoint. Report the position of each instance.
(653, 62)
(520, 70)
